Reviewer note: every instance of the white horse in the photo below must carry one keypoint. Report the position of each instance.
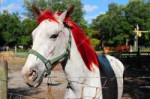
(58, 39)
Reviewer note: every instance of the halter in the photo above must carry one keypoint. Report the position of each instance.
(50, 64)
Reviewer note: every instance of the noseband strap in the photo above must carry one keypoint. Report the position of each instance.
(50, 64)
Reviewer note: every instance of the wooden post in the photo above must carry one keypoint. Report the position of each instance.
(3, 79)
(15, 49)
(136, 43)
(138, 34)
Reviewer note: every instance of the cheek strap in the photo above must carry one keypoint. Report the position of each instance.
(50, 64)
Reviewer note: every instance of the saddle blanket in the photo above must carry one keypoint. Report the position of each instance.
(108, 79)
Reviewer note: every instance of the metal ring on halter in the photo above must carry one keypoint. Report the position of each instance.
(50, 83)
(49, 79)
(48, 64)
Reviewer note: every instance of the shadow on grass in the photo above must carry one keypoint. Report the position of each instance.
(23, 93)
(137, 84)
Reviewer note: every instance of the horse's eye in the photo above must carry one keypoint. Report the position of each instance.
(54, 36)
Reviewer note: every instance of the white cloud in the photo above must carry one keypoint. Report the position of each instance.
(11, 8)
(90, 8)
(22, 17)
(89, 18)
(1, 2)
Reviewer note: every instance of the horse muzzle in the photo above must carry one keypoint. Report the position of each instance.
(32, 78)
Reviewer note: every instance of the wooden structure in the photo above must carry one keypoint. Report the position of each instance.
(138, 34)
(133, 58)
(3, 79)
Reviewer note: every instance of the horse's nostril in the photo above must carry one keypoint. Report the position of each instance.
(32, 73)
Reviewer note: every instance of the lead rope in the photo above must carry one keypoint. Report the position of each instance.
(49, 94)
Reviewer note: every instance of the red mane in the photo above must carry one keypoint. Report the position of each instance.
(88, 55)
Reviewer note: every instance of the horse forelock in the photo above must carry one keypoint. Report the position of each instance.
(46, 15)
(83, 43)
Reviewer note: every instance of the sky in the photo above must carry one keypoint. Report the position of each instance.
(92, 8)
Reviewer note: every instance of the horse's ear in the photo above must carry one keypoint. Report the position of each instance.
(37, 12)
(66, 13)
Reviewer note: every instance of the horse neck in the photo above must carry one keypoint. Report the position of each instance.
(78, 74)
(75, 66)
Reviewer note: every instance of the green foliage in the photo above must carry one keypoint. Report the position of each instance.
(95, 42)
(56, 5)
(27, 27)
(9, 28)
(119, 22)
(13, 31)
(116, 26)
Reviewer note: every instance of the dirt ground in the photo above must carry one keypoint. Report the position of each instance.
(17, 86)
(17, 89)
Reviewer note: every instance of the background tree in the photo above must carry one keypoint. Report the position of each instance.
(117, 25)
(60, 5)
(56, 5)
(27, 27)
(9, 28)
(13, 31)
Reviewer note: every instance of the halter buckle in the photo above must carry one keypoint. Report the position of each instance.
(48, 64)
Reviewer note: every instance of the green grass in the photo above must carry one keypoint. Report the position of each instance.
(22, 54)
(146, 50)
(99, 52)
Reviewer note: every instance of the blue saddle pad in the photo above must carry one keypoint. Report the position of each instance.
(108, 79)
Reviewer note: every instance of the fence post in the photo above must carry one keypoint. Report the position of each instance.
(3, 79)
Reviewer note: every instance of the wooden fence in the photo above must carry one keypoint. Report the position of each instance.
(3, 79)
(127, 57)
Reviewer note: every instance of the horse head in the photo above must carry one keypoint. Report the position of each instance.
(50, 39)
